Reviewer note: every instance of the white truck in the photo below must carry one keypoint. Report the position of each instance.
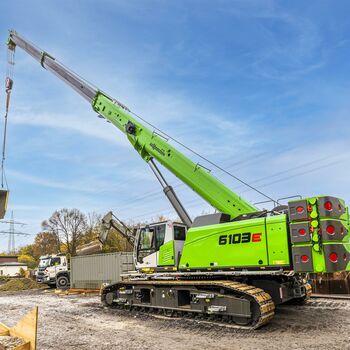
(54, 271)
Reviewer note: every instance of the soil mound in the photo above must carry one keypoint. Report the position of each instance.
(15, 284)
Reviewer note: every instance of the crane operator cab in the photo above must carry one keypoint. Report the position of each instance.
(159, 246)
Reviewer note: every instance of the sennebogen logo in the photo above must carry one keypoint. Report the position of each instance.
(156, 148)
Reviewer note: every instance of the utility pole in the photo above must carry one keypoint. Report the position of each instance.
(12, 232)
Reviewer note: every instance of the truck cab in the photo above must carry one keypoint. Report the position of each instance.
(53, 270)
(44, 263)
(159, 245)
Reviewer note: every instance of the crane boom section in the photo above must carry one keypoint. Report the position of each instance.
(147, 143)
(48, 62)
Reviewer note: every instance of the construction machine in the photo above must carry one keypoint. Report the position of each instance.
(54, 269)
(232, 266)
(108, 222)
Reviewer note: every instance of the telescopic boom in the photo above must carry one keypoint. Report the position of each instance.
(147, 143)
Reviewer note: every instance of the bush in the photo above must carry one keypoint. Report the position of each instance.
(28, 260)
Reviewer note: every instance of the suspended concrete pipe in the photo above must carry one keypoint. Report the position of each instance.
(3, 202)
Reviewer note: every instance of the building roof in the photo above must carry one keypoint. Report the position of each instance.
(7, 258)
(12, 264)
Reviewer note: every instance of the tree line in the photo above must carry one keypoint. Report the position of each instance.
(64, 232)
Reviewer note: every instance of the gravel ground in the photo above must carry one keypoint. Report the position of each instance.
(74, 322)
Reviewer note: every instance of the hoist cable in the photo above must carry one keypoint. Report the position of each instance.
(3, 152)
(8, 89)
(205, 159)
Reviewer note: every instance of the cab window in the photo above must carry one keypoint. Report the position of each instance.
(146, 241)
(55, 261)
(160, 235)
(153, 238)
(179, 233)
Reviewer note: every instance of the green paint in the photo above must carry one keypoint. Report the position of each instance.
(167, 254)
(227, 245)
(149, 144)
(277, 240)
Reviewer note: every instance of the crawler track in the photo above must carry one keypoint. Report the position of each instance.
(260, 310)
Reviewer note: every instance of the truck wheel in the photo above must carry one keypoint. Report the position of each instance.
(62, 282)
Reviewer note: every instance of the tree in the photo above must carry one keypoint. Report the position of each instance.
(28, 250)
(93, 228)
(69, 226)
(28, 260)
(161, 217)
(116, 243)
(46, 243)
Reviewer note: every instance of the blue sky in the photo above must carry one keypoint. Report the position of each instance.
(260, 87)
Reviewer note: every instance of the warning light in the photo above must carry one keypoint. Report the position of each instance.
(328, 206)
(304, 259)
(302, 231)
(333, 257)
(300, 210)
(330, 230)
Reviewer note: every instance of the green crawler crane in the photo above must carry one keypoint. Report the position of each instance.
(235, 265)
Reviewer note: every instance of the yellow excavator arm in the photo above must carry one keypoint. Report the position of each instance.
(108, 222)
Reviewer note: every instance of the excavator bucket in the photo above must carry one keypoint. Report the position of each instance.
(3, 202)
(90, 248)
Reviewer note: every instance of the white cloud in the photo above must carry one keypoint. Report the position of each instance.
(88, 184)
(141, 82)
(86, 125)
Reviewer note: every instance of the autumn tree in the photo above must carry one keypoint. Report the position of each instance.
(69, 226)
(46, 243)
(27, 256)
(93, 228)
(29, 260)
(116, 243)
(27, 250)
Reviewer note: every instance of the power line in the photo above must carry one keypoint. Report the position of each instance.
(156, 193)
(198, 200)
(300, 166)
(12, 233)
(202, 157)
(299, 174)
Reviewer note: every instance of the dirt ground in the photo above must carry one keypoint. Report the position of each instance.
(74, 322)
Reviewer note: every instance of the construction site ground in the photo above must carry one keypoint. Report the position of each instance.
(81, 322)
